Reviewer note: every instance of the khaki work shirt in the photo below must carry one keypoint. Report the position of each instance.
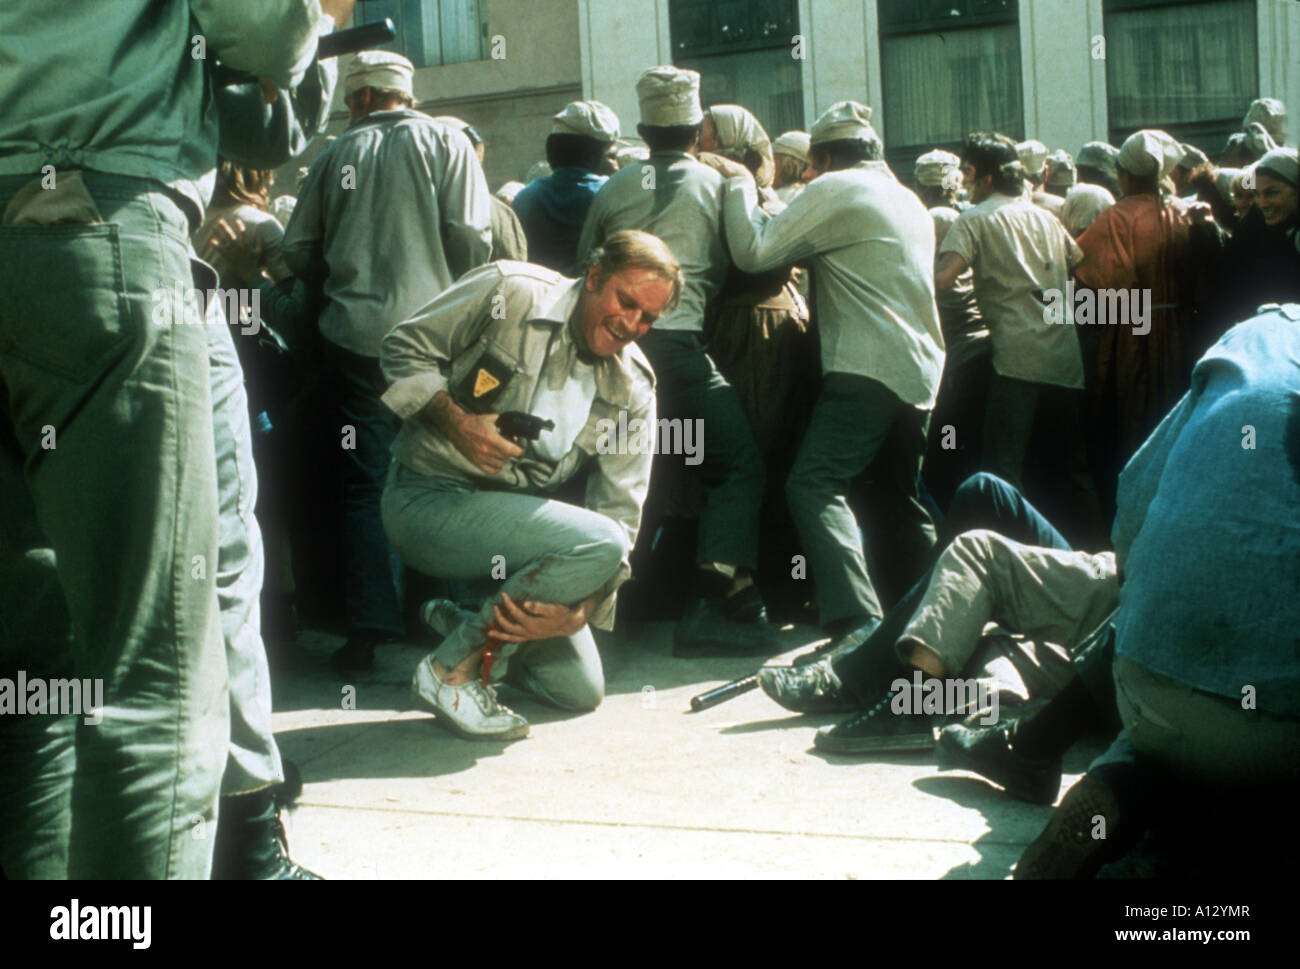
(517, 321)
(1019, 251)
(389, 216)
(678, 199)
(870, 243)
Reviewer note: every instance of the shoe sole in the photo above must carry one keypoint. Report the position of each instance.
(873, 745)
(514, 733)
(1066, 848)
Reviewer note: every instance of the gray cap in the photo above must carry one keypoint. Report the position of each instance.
(1060, 169)
(1271, 113)
(938, 168)
(843, 119)
(379, 69)
(1099, 155)
(669, 96)
(589, 118)
(1032, 154)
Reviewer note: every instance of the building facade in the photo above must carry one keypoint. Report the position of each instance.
(1063, 71)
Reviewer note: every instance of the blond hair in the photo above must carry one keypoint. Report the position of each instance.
(633, 249)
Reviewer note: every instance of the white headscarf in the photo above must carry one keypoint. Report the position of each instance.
(738, 132)
(1083, 204)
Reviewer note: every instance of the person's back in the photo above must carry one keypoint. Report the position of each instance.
(552, 210)
(1019, 253)
(397, 208)
(120, 87)
(678, 199)
(1206, 529)
(108, 133)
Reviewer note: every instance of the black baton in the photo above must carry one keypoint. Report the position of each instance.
(721, 694)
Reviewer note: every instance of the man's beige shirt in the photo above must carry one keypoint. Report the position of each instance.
(522, 317)
(1019, 251)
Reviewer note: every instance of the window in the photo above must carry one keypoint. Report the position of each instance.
(1189, 68)
(948, 67)
(743, 50)
(432, 32)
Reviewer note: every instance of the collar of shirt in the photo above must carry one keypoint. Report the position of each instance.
(559, 307)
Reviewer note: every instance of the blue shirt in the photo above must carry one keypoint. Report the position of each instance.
(552, 211)
(1207, 530)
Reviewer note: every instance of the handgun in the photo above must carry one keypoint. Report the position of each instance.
(516, 426)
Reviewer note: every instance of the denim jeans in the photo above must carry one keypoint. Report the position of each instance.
(109, 415)
(254, 759)
(539, 549)
(372, 573)
(982, 501)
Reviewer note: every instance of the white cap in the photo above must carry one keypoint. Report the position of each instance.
(939, 167)
(379, 69)
(843, 119)
(1271, 113)
(588, 118)
(1032, 155)
(793, 143)
(1150, 152)
(669, 96)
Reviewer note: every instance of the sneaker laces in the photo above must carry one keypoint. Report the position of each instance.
(487, 698)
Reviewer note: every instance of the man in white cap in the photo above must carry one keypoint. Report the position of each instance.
(790, 151)
(391, 213)
(679, 199)
(1144, 244)
(553, 209)
(870, 243)
(1095, 165)
(508, 239)
(1033, 156)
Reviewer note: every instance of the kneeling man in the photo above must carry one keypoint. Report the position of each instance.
(466, 501)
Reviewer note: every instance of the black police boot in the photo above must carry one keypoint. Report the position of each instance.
(251, 843)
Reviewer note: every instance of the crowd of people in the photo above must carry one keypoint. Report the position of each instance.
(704, 376)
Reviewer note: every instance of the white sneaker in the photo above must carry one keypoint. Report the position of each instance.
(470, 710)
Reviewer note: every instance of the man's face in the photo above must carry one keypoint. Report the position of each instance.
(622, 310)
(1276, 199)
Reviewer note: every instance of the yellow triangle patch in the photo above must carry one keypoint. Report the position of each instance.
(485, 382)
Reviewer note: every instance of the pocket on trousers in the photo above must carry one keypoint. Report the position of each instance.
(64, 306)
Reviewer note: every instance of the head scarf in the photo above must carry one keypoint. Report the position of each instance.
(1060, 169)
(841, 121)
(1281, 163)
(793, 143)
(1150, 152)
(1269, 112)
(1083, 204)
(739, 132)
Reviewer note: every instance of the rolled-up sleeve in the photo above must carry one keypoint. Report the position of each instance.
(416, 353)
(759, 243)
(275, 39)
